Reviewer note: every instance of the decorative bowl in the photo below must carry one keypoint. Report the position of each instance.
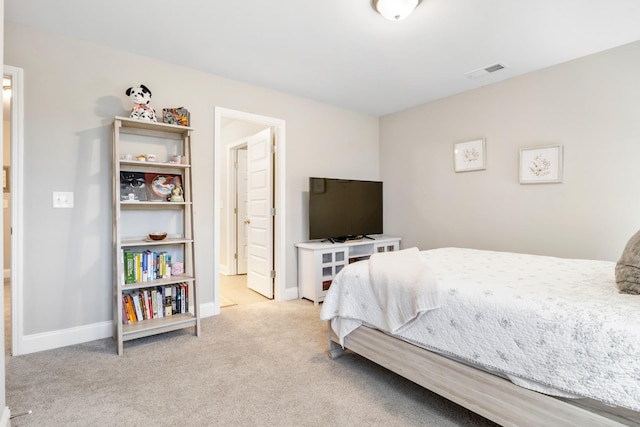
(157, 236)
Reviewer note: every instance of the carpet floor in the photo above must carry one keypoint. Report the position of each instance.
(226, 302)
(263, 364)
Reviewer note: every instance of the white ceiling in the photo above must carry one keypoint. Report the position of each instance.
(341, 52)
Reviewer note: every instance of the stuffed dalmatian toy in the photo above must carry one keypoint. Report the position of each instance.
(141, 97)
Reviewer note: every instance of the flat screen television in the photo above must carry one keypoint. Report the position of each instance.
(343, 209)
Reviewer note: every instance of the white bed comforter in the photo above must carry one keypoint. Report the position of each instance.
(557, 322)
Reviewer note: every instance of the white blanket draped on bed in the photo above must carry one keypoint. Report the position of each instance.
(401, 288)
(403, 285)
(560, 323)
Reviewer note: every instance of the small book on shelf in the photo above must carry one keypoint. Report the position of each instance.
(160, 302)
(138, 307)
(131, 311)
(176, 301)
(125, 315)
(168, 301)
(129, 267)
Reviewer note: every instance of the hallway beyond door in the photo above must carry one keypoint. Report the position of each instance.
(235, 289)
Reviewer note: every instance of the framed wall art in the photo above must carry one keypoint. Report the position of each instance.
(469, 155)
(541, 165)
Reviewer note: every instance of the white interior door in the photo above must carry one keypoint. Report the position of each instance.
(242, 216)
(260, 220)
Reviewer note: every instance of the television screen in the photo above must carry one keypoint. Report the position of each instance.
(342, 208)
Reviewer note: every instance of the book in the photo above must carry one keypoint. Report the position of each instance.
(161, 265)
(168, 300)
(129, 267)
(154, 265)
(175, 294)
(183, 296)
(131, 311)
(143, 306)
(160, 302)
(138, 265)
(145, 267)
(137, 307)
(133, 187)
(148, 304)
(154, 302)
(125, 315)
(167, 259)
(160, 186)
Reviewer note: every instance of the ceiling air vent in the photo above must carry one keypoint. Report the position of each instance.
(480, 72)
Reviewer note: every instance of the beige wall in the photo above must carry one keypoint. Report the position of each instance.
(73, 89)
(590, 105)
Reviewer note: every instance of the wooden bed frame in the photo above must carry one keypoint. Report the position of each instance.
(488, 395)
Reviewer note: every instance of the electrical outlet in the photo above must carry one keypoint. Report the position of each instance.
(62, 199)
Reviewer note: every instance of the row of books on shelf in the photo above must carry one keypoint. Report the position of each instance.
(162, 301)
(146, 266)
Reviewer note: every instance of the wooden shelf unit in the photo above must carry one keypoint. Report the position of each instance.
(132, 221)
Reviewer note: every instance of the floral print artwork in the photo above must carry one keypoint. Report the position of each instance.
(540, 165)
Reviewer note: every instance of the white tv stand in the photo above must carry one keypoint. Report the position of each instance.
(320, 261)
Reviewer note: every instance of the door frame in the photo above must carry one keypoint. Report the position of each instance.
(240, 236)
(279, 229)
(17, 206)
(231, 220)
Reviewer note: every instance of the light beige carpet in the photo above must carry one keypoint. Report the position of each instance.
(226, 302)
(262, 364)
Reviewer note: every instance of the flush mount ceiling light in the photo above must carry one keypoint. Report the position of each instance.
(395, 10)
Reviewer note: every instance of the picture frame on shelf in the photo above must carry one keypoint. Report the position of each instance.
(176, 116)
(160, 186)
(541, 165)
(470, 155)
(132, 187)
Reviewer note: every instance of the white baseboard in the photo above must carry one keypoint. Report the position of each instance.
(64, 337)
(224, 269)
(290, 294)
(208, 309)
(5, 419)
(78, 335)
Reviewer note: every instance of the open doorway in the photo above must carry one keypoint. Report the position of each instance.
(238, 282)
(249, 215)
(12, 91)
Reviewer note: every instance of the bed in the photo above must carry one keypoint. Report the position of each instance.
(519, 339)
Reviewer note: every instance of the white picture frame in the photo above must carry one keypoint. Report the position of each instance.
(541, 165)
(469, 155)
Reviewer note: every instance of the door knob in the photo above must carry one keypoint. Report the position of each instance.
(247, 221)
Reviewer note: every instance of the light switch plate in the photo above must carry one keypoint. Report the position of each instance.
(62, 199)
